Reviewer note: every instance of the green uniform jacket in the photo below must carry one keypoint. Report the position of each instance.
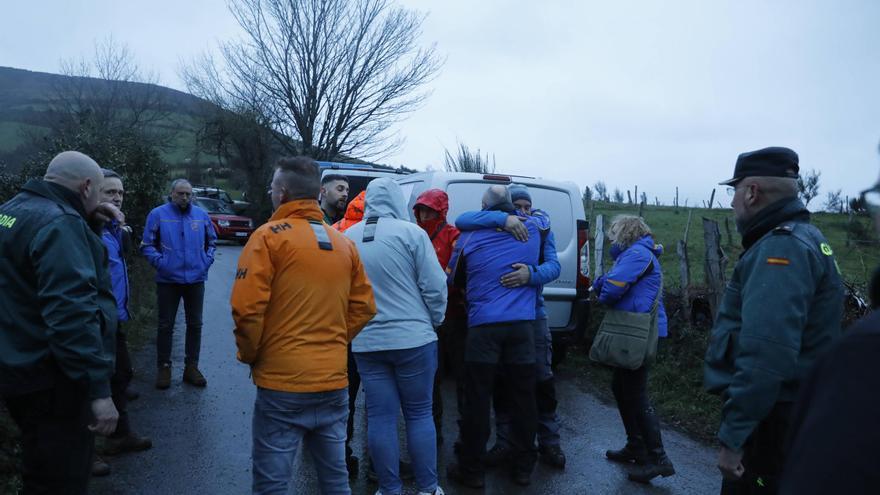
(57, 310)
(781, 309)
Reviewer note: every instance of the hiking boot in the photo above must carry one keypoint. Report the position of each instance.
(521, 478)
(163, 376)
(497, 455)
(129, 443)
(656, 467)
(629, 454)
(455, 473)
(132, 394)
(552, 455)
(193, 376)
(100, 467)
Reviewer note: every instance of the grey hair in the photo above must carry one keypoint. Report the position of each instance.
(775, 188)
(496, 195)
(177, 182)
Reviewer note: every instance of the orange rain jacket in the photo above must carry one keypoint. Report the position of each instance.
(300, 296)
(353, 214)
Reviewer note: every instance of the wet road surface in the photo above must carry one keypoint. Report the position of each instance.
(202, 440)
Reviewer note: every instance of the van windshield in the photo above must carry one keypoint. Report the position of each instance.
(466, 196)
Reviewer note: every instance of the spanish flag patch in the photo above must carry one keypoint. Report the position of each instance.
(778, 261)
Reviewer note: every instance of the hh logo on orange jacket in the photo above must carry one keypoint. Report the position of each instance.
(300, 296)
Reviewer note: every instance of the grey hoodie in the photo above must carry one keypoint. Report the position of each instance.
(408, 282)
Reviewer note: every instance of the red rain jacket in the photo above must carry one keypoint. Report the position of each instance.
(443, 237)
(353, 214)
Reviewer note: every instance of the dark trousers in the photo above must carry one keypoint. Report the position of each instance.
(511, 345)
(545, 394)
(119, 382)
(630, 388)
(56, 443)
(450, 361)
(763, 455)
(354, 384)
(168, 298)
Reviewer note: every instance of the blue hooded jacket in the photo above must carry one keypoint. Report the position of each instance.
(111, 236)
(179, 244)
(545, 272)
(621, 288)
(482, 257)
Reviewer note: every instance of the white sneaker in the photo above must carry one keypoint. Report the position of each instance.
(438, 491)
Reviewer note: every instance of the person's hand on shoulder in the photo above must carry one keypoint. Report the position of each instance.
(515, 226)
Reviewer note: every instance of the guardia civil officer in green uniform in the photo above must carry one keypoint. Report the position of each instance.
(782, 308)
(57, 322)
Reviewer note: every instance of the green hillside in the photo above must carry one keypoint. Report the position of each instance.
(854, 244)
(26, 98)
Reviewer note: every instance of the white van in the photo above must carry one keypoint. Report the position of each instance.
(566, 298)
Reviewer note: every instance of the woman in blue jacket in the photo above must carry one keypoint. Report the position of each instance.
(632, 285)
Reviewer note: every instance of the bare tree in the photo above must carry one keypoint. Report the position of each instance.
(618, 196)
(333, 74)
(469, 161)
(808, 186)
(587, 196)
(601, 191)
(110, 92)
(834, 202)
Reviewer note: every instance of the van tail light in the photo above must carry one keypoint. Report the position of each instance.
(583, 266)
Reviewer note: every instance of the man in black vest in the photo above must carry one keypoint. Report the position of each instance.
(57, 322)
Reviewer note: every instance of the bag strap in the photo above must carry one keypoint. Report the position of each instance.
(659, 290)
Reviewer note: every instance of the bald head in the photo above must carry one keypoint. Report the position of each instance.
(70, 168)
(496, 195)
(80, 174)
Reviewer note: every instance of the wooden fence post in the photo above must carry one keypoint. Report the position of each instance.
(641, 210)
(716, 262)
(712, 198)
(600, 246)
(685, 267)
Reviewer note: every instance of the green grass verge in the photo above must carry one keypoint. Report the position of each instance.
(675, 380)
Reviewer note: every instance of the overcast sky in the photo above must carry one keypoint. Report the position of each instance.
(650, 93)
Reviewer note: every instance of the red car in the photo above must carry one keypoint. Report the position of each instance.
(227, 224)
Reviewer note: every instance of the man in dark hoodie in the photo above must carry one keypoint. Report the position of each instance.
(57, 323)
(781, 310)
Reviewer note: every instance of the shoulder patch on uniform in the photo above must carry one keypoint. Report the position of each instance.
(784, 229)
(826, 249)
(778, 261)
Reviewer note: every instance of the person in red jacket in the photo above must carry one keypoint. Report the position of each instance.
(430, 211)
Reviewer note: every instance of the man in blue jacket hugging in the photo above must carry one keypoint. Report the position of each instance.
(535, 276)
(500, 321)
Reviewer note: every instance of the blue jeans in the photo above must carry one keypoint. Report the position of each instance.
(402, 378)
(282, 420)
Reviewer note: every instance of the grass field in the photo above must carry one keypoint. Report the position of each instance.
(675, 381)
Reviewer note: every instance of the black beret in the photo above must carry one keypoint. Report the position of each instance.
(767, 162)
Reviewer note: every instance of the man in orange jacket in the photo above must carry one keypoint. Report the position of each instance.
(300, 296)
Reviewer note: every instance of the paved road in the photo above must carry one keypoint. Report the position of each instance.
(202, 436)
